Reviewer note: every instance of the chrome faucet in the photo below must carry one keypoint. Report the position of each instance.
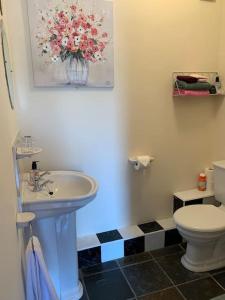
(44, 173)
(37, 186)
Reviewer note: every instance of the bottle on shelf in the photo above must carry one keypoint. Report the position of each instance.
(202, 182)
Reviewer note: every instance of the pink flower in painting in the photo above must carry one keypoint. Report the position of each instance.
(90, 43)
(91, 17)
(87, 56)
(70, 27)
(84, 37)
(59, 41)
(84, 25)
(73, 8)
(83, 46)
(63, 22)
(105, 35)
(101, 46)
(61, 15)
(82, 17)
(94, 31)
(93, 60)
(95, 49)
(70, 43)
(56, 50)
(76, 23)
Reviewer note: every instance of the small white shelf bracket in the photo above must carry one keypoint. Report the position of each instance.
(24, 219)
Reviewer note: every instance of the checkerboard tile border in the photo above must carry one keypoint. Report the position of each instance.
(127, 241)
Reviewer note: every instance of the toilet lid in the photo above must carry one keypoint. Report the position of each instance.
(203, 218)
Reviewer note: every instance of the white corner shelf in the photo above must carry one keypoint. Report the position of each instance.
(177, 92)
(23, 152)
(194, 194)
(24, 219)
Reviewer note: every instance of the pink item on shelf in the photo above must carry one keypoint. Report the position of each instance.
(177, 92)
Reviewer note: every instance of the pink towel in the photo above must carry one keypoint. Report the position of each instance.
(177, 92)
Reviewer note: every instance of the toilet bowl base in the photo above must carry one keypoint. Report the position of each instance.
(202, 267)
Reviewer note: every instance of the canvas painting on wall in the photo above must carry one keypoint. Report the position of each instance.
(72, 42)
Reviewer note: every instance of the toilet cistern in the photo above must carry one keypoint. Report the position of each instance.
(203, 227)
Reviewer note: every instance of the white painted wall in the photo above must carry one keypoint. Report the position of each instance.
(10, 252)
(219, 139)
(95, 130)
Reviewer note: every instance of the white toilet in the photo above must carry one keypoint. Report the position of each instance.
(203, 227)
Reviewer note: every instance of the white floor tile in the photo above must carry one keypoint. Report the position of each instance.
(87, 242)
(130, 232)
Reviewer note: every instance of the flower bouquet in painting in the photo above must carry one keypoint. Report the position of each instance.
(68, 34)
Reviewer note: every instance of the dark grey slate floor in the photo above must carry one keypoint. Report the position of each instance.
(155, 275)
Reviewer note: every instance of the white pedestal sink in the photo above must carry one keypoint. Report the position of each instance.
(55, 225)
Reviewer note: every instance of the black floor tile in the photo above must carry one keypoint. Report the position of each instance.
(203, 289)
(167, 251)
(89, 257)
(134, 246)
(169, 294)
(150, 227)
(175, 270)
(107, 266)
(193, 202)
(221, 279)
(146, 278)
(216, 271)
(172, 237)
(184, 245)
(108, 286)
(109, 236)
(134, 259)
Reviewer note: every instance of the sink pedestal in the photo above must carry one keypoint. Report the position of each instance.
(55, 225)
(57, 236)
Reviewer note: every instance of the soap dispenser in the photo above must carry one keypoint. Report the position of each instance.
(218, 84)
(34, 171)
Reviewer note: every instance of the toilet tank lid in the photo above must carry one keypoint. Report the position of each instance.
(219, 164)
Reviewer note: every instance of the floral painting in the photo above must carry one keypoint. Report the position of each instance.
(72, 42)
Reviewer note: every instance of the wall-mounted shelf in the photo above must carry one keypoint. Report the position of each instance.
(193, 194)
(24, 219)
(184, 89)
(22, 152)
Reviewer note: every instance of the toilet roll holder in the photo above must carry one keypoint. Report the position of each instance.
(141, 162)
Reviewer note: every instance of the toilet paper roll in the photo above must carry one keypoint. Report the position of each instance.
(209, 172)
(142, 162)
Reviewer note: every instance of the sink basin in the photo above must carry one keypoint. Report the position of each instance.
(55, 225)
(69, 191)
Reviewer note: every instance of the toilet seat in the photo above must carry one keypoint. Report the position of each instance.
(200, 218)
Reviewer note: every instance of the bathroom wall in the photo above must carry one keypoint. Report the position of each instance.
(95, 130)
(10, 261)
(219, 140)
